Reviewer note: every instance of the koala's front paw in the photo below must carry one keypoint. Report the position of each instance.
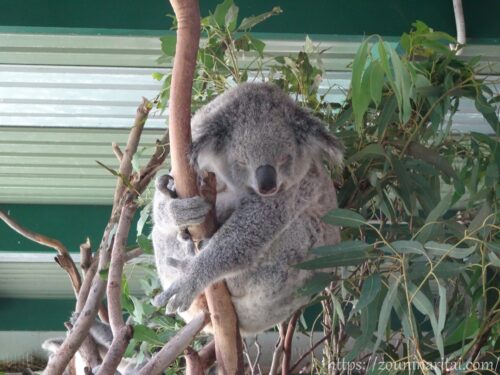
(189, 211)
(179, 296)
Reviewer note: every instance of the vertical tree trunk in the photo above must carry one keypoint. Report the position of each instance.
(224, 320)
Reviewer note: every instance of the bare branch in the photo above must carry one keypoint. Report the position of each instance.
(458, 10)
(175, 346)
(116, 269)
(309, 351)
(95, 292)
(207, 354)
(193, 362)
(131, 148)
(116, 350)
(88, 350)
(287, 346)
(117, 151)
(278, 350)
(134, 253)
(85, 256)
(63, 257)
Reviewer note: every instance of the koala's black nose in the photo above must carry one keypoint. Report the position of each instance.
(266, 179)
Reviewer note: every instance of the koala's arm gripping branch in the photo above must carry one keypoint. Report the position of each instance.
(213, 263)
(224, 320)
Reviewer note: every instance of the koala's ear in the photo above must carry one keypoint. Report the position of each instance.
(210, 141)
(202, 143)
(312, 133)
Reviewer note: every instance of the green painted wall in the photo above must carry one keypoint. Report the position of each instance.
(70, 224)
(348, 17)
(34, 314)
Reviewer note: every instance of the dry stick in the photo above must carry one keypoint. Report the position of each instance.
(175, 346)
(460, 22)
(63, 257)
(193, 362)
(311, 350)
(88, 350)
(224, 320)
(278, 351)
(207, 355)
(65, 260)
(59, 360)
(113, 291)
(115, 353)
(287, 345)
(121, 333)
(132, 143)
(198, 362)
(85, 256)
(86, 260)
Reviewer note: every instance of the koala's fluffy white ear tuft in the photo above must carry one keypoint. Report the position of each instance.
(211, 139)
(331, 147)
(312, 132)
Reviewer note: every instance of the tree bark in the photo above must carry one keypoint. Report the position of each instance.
(224, 320)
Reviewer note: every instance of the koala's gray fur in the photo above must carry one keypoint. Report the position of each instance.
(261, 236)
(102, 335)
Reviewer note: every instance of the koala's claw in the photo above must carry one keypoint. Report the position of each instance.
(189, 211)
(165, 185)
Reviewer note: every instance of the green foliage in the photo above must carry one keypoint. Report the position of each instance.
(426, 201)
(417, 272)
(218, 65)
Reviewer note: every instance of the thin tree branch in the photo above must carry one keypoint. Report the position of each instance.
(63, 257)
(85, 256)
(88, 350)
(193, 362)
(117, 151)
(311, 349)
(116, 350)
(278, 350)
(113, 290)
(287, 346)
(175, 346)
(123, 196)
(458, 10)
(207, 354)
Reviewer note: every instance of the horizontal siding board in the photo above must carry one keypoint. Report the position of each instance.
(144, 51)
(55, 121)
(22, 280)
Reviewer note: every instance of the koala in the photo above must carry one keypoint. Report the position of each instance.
(268, 155)
(102, 335)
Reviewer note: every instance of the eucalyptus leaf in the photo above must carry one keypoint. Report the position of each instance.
(385, 312)
(316, 284)
(360, 98)
(144, 333)
(344, 217)
(424, 305)
(404, 247)
(249, 22)
(369, 291)
(376, 82)
(443, 249)
(342, 248)
(370, 151)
